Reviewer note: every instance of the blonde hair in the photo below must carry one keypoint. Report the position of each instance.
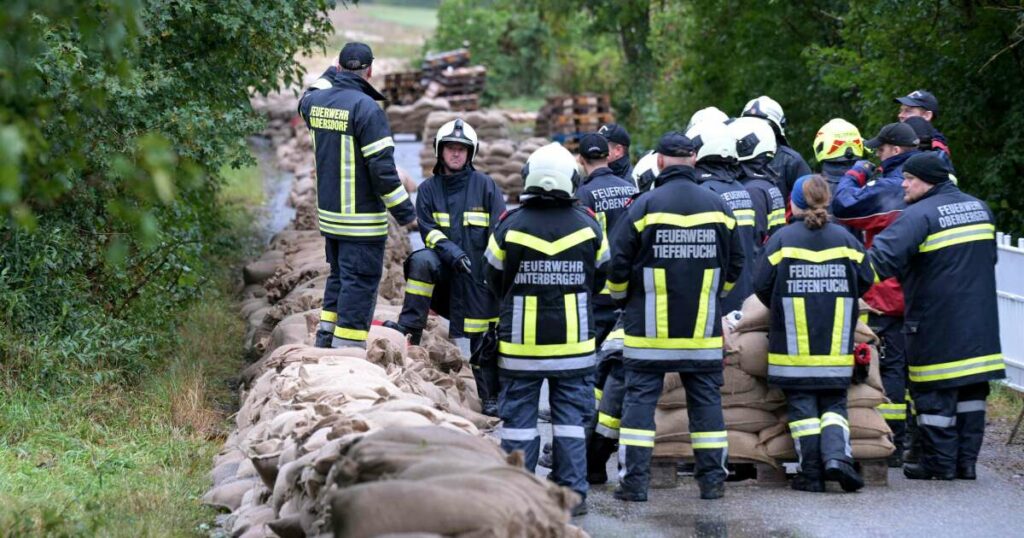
(818, 196)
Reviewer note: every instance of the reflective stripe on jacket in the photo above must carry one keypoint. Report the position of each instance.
(942, 249)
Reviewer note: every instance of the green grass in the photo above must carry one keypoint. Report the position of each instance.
(522, 103)
(416, 17)
(243, 186)
(1004, 402)
(108, 459)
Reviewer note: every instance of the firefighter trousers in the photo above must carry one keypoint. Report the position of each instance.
(571, 400)
(892, 362)
(951, 423)
(356, 269)
(820, 429)
(707, 426)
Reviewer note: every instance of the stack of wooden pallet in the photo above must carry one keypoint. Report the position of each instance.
(435, 63)
(573, 115)
(403, 88)
(443, 74)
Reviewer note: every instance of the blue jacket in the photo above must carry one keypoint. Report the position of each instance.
(607, 195)
(943, 250)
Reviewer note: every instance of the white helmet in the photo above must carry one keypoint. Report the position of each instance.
(645, 171)
(765, 107)
(457, 131)
(551, 168)
(709, 114)
(753, 137)
(713, 139)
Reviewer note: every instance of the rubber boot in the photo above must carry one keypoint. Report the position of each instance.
(324, 339)
(599, 450)
(844, 473)
(712, 490)
(802, 482)
(916, 471)
(966, 472)
(629, 496)
(413, 335)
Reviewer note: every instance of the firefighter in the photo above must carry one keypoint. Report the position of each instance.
(923, 104)
(811, 276)
(672, 259)
(787, 162)
(618, 149)
(707, 114)
(945, 236)
(457, 208)
(357, 183)
(755, 148)
(869, 200)
(716, 171)
(645, 172)
(545, 259)
(837, 147)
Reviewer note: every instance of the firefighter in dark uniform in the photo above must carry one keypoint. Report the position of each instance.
(787, 162)
(755, 147)
(952, 331)
(811, 276)
(456, 209)
(672, 259)
(618, 149)
(357, 184)
(545, 260)
(607, 195)
(716, 171)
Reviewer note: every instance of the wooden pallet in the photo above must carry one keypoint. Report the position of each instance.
(664, 472)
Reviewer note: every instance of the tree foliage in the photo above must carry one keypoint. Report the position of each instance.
(115, 119)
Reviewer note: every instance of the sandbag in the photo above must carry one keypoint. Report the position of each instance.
(228, 496)
(864, 395)
(874, 371)
(673, 399)
(756, 316)
(781, 447)
(674, 424)
(742, 446)
(736, 381)
(751, 352)
(864, 334)
(872, 448)
(867, 423)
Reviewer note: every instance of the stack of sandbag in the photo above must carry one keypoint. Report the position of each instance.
(501, 159)
(489, 126)
(412, 118)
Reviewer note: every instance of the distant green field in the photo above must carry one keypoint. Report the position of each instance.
(418, 17)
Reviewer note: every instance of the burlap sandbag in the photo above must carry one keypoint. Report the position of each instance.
(874, 373)
(864, 334)
(873, 448)
(751, 352)
(867, 423)
(781, 447)
(737, 381)
(756, 316)
(673, 399)
(742, 446)
(864, 395)
(674, 424)
(751, 398)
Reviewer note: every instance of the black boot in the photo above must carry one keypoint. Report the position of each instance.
(580, 509)
(599, 449)
(546, 458)
(845, 474)
(913, 454)
(802, 482)
(630, 496)
(413, 335)
(895, 460)
(324, 339)
(966, 472)
(711, 490)
(916, 471)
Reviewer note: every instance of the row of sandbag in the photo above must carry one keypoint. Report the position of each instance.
(502, 159)
(755, 414)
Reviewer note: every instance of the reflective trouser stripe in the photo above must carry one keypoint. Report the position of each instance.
(632, 437)
(955, 369)
(834, 419)
(705, 324)
(327, 326)
(937, 421)
(530, 321)
(893, 411)
(607, 432)
(327, 315)
(418, 287)
(841, 326)
(609, 421)
(970, 406)
(350, 334)
(805, 427)
(563, 430)
(707, 440)
(519, 434)
(572, 327)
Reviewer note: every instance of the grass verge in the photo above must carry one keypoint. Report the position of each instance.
(106, 459)
(1004, 402)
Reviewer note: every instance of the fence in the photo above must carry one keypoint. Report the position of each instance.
(1010, 286)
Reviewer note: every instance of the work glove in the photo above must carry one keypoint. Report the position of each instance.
(861, 171)
(861, 363)
(463, 265)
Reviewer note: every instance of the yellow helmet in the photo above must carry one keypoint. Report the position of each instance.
(838, 139)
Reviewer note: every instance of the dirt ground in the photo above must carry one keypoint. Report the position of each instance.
(1006, 460)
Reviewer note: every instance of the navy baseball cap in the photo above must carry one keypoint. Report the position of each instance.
(615, 133)
(593, 146)
(920, 98)
(675, 144)
(355, 56)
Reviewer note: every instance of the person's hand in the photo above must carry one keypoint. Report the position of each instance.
(463, 265)
(861, 171)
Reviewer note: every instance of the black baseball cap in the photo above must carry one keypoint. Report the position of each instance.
(593, 146)
(355, 56)
(928, 166)
(614, 132)
(921, 98)
(897, 134)
(675, 144)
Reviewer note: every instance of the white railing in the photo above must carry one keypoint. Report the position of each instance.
(1010, 288)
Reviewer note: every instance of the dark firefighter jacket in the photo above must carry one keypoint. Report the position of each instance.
(811, 280)
(720, 178)
(607, 195)
(769, 202)
(789, 166)
(545, 261)
(456, 215)
(677, 253)
(942, 248)
(355, 169)
(622, 167)
(871, 209)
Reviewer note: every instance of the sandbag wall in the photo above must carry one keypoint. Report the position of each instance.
(355, 442)
(755, 415)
